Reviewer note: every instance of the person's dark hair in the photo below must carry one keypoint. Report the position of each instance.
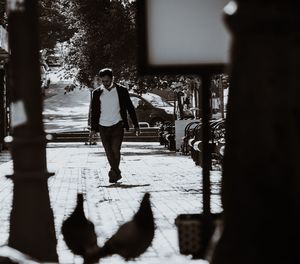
(106, 72)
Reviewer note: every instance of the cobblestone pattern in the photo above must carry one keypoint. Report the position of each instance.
(173, 181)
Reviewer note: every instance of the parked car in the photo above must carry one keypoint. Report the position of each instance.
(153, 109)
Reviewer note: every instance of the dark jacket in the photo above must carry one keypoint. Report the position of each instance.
(125, 106)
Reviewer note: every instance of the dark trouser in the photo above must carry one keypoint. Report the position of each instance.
(112, 138)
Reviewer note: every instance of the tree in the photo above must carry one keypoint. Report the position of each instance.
(53, 24)
(105, 37)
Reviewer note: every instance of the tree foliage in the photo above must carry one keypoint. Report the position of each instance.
(3, 18)
(53, 24)
(101, 33)
(105, 37)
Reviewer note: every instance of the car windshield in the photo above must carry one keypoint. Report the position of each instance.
(156, 100)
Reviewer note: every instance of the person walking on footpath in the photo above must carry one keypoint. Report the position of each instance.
(110, 104)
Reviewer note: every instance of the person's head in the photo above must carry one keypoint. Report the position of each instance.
(106, 76)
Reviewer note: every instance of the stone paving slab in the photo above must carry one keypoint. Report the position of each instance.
(173, 181)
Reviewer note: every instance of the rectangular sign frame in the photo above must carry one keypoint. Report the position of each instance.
(144, 65)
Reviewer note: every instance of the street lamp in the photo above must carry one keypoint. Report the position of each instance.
(186, 36)
(32, 229)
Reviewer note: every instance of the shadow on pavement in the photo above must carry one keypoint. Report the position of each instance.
(152, 153)
(123, 186)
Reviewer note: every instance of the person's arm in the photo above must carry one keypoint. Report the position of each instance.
(132, 113)
(95, 110)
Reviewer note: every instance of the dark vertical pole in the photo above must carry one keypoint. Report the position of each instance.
(179, 95)
(2, 108)
(199, 99)
(221, 94)
(31, 223)
(7, 101)
(206, 156)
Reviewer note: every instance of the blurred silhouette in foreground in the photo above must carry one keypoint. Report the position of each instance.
(79, 232)
(134, 237)
(130, 241)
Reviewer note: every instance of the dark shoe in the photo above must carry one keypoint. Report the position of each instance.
(114, 177)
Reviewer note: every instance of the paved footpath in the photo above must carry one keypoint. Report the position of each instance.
(173, 181)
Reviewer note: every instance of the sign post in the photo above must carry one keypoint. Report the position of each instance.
(187, 37)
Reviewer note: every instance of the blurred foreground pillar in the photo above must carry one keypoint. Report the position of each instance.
(261, 183)
(31, 223)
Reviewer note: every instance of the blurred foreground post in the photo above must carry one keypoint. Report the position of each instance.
(31, 224)
(261, 183)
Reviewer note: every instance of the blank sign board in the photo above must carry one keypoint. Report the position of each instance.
(186, 32)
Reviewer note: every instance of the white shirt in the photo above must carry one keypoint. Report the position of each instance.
(110, 107)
